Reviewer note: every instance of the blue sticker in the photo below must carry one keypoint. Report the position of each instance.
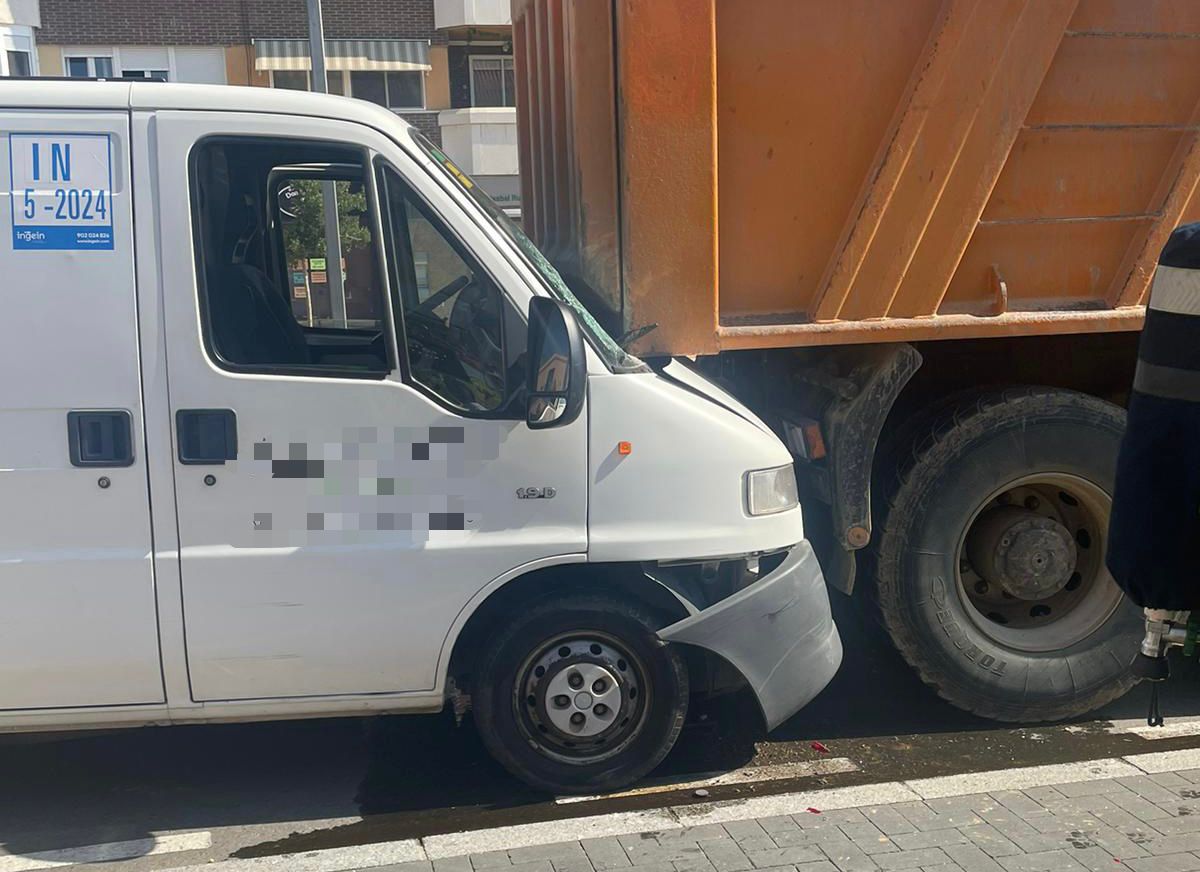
(61, 191)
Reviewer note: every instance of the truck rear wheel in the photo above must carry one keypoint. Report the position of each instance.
(990, 563)
(577, 694)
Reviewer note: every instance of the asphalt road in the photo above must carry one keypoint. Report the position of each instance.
(289, 786)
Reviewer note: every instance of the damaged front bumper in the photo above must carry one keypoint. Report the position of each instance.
(778, 633)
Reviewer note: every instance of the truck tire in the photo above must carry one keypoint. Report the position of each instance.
(578, 694)
(990, 560)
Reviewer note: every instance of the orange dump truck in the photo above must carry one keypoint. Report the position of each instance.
(916, 237)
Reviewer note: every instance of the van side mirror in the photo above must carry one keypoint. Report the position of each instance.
(287, 201)
(557, 366)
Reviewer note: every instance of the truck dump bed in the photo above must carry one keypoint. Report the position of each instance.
(799, 172)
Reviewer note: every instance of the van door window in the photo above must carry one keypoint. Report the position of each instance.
(463, 338)
(288, 259)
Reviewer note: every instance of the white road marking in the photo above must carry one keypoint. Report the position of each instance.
(328, 860)
(745, 775)
(1021, 778)
(548, 832)
(1174, 728)
(830, 799)
(106, 853)
(1167, 761)
(675, 817)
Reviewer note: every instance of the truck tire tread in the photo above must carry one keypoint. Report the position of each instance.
(934, 442)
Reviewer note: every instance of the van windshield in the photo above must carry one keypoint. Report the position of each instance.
(614, 355)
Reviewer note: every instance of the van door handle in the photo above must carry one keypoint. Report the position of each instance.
(206, 436)
(100, 437)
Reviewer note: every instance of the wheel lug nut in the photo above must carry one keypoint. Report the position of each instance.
(578, 718)
(981, 587)
(562, 700)
(599, 685)
(601, 709)
(575, 680)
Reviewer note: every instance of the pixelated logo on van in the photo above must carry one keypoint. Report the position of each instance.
(374, 483)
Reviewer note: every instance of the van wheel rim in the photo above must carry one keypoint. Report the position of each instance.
(581, 697)
(1031, 573)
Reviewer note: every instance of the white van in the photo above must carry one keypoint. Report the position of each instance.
(245, 476)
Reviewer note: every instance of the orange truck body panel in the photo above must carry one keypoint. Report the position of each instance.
(812, 172)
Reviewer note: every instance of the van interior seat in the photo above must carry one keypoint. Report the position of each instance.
(252, 321)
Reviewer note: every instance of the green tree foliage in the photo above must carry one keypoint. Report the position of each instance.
(304, 236)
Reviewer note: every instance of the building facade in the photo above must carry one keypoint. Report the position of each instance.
(479, 125)
(445, 66)
(19, 20)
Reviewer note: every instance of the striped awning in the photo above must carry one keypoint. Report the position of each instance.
(343, 54)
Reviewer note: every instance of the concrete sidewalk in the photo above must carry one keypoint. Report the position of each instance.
(1140, 811)
(1149, 823)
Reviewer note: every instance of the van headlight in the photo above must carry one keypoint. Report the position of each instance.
(769, 491)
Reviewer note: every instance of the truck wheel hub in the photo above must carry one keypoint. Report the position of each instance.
(1030, 556)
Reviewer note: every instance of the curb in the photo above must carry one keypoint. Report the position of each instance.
(440, 847)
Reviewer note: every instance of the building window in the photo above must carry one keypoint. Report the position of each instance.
(19, 64)
(159, 75)
(299, 80)
(369, 86)
(89, 66)
(492, 81)
(290, 80)
(17, 43)
(393, 90)
(195, 64)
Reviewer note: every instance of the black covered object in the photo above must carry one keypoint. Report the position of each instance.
(1154, 535)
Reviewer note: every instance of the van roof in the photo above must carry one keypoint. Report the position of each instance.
(123, 95)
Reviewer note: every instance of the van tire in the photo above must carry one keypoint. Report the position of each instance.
(1036, 451)
(614, 645)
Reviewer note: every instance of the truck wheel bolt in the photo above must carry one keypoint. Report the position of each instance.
(578, 718)
(601, 709)
(981, 587)
(575, 680)
(599, 686)
(562, 700)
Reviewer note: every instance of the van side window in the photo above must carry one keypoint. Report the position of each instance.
(288, 259)
(456, 321)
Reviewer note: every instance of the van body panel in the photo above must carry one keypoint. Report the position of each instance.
(680, 492)
(160, 444)
(778, 633)
(78, 625)
(286, 592)
(279, 592)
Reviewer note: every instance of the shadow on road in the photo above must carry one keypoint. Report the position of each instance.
(93, 788)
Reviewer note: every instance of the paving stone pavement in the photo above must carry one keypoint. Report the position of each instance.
(1146, 823)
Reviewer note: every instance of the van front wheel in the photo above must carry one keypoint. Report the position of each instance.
(577, 694)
